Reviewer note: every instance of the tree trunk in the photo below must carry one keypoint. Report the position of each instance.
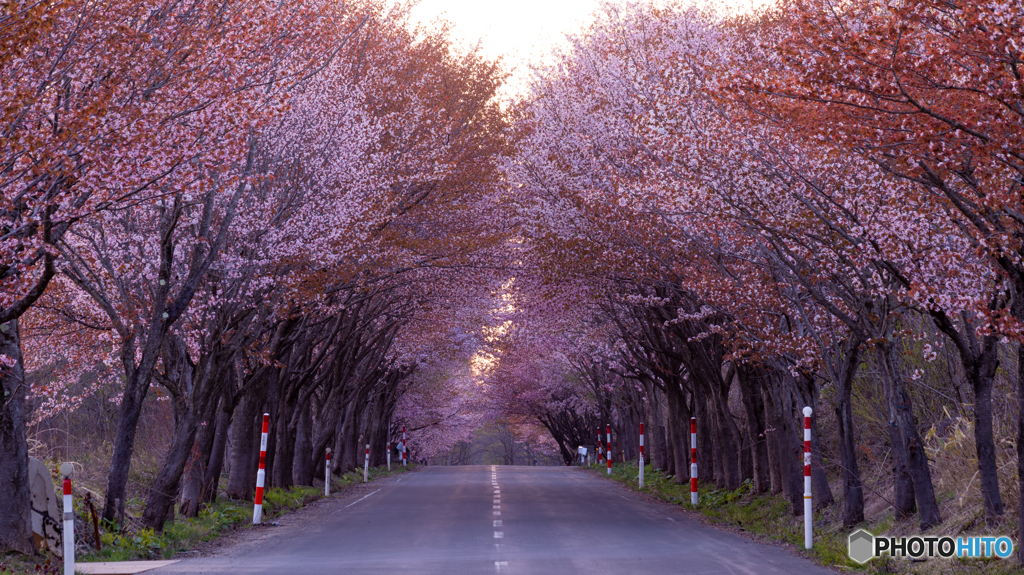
(755, 427)
(729, 438)
(853, 489)
(772, 435)
(302, 458)
(244, 440)
(656, 439)
(988, 468)
(284, 446)
(676, 416)
(790, 444)
(165, 486)
(904, 499)
(135, 390)
(192, 495)
(15, 502)
(901, 412)
(1020, 450)
(211, 480)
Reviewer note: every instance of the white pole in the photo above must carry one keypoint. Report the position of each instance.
(808, 517)
(389, 455)
(609, 441)
(261, 475)
(693, 461)
(366, 465)
(327, 474)
(69, 521)
(641, 455)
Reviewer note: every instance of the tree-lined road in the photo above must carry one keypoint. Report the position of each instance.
(530, 520)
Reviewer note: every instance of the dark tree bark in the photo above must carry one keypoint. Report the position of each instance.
(211, 479)
(192, 495)
(244, 441)
(749, 382)
(302, 458)
(677, 415)
(980, 359)
(782, 419)
(772, 435)
(15, 502)
(911, 447)
(853, 489)
(1020, 447)
(165, 486)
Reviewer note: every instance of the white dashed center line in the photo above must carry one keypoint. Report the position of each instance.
(496, 506)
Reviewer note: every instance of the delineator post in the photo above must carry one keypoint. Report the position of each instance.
(641, 455)
(327, 474)
(366, 465)
(608, 436)
(261, 475)
(405, 451)
(693, 461)
(808, 512)
(69, 521)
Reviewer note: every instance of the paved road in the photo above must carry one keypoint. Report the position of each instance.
(528, 520)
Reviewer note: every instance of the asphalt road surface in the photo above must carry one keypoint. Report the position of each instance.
(528, 520)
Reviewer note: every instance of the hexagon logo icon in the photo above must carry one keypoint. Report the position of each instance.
(861, 546)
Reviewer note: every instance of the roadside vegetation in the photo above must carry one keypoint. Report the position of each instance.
(767, 517)
(183, 534)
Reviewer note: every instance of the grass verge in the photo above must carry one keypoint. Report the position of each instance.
(185, 533)
(769, 518)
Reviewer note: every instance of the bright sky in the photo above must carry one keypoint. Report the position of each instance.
(520, 31)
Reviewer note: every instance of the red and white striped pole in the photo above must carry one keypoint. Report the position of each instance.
(405, 451)
(609, 458)
(69, 521)
(693, 461)
(261, 475)
(366, 465)
(808, 523)
(641, 455)
(327, 474)
(600, 448)
(388, 445)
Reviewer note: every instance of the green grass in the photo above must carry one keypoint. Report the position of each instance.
(770, 517)
(184, 534)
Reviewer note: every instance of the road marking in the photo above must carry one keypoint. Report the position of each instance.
(497, 501)
(499, 534)
(497, 512)
(499, 564)
(361, 498)
(497, 522)
(495, 506)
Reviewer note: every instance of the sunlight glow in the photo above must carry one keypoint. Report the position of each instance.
(524, 32)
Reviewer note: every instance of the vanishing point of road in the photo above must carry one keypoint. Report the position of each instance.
(496, 519)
